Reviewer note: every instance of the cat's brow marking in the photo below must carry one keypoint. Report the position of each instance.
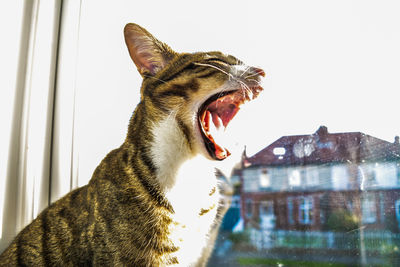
(215, 67)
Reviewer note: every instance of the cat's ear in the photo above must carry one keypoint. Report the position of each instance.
(149, 54)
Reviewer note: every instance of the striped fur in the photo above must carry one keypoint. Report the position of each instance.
(154, 201)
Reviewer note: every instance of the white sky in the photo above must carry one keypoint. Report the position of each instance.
(332, 63)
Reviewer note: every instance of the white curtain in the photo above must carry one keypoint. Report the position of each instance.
(30, 121)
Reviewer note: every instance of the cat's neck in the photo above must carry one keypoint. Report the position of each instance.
(166, 147)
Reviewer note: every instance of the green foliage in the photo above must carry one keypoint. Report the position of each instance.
(342, 220)
(286, 263)
(239, 238)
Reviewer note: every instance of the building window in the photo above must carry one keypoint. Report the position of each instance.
(368, 208)
(306, 206)
(349, 204)
(397, 208)
(235, 202)
(265, 179)
(279, 151)
(251, 180)
(382, 207)
(323, 206)
(249, 207)
(266, 208)
(398, 173)
(328, 145)
(312, 176)
(368, 175)
(290, 210)
(295, 178)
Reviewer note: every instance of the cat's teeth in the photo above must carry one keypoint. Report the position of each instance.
(217, 132)
(207, 120)
(217, 121)
(213, 130)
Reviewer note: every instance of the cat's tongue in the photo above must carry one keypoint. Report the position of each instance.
(215, 130)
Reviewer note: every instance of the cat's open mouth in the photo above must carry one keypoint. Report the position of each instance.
(216, 113)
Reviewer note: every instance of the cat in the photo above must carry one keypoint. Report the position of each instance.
(154, 201)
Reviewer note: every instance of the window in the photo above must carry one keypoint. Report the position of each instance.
(350, 204)
(371, 178)
(295, 178)
(368, 208)
(306, 210)
(279, 151)
(398, 173)
(265, 180)
(310, 79)
(290, 210)
(328, 145)
(249, 207)
(382, 212)
(311, 176)
(251, 180)
(397, 209)
(266, 208)
(235, 201)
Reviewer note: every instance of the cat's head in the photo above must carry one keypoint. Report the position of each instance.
(194, 94)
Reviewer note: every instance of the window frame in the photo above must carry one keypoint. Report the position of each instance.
(306, 204)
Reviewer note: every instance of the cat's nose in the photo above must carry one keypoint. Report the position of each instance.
(258, 71)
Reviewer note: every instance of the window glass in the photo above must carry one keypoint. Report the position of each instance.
(265, 180)
(295, 177)
(249, 208)
(290, 210)
(306, 210)
(368, 208)
(339, 200)
(312, 177)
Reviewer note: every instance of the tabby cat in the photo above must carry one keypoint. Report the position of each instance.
(154, 201)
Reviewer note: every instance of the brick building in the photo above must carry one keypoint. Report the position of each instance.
(302, 182)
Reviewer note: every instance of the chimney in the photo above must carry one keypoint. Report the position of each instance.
(322, 132)
(244, 161)
(396, 140)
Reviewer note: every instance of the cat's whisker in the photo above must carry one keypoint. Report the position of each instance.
(251, 75)
(256, 81)
(244, 72)
(215, 67)
(151, 77)
(246, 91)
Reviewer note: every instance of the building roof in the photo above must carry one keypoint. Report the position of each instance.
(323, 147)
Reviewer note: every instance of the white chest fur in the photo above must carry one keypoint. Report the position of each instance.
(188, 183)
(194, 198)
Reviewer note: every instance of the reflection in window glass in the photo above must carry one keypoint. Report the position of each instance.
(290, 210)
(397, 207)
(266, 208)
(339, 200)
(249, 208)
(306, 210)
(265, 180)
(295, 178)
(368, 208)
(311, 176)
